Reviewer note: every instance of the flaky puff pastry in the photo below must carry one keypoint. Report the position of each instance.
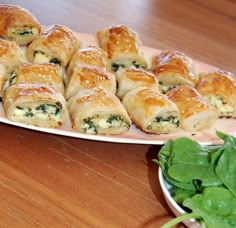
(87, 77)
(129, 79)
(219, 88)
(18, 24)
(35, 104)
(56, 44)
(3, 79)
(196, 113)
(151, 111)
(11, 56)
(174, 68)
(123, 47)
(43, 73)
(97, 111)
(91, 55)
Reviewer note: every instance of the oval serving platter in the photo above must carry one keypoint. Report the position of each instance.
(134, 135)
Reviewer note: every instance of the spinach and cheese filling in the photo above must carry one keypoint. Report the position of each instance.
(99, 123)
(167, 87)
(134, 64)
(24, 34)
(42, 57)
(42, 111)
(221, 105)
(10, 81)
(165, 123)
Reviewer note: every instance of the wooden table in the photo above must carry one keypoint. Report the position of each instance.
(55, 181)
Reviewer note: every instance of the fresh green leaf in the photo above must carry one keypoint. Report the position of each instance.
(215, 206)
(226, 167)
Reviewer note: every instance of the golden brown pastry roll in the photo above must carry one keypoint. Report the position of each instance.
(3, 79)
(122, 46)
(97, 111)
(196, 113)
(151, 111)
(129, 79)
(18, 24)
(174, 68)
(11, 56)
(86, 77)
(91, 55)
(43, 73)
(35, 104)
(56, 44)
(219, 88)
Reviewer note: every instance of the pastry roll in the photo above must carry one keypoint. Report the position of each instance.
(174, 68)
(86, 77)
(151, 111)
(35, 104)
(122, 46)
(219, 88)
(43, 73)
(129, 79)
(91, 55)
(11, 56)
(18, 24)
(56, 44)
(3, 79)
(196, 113)
(97, 111)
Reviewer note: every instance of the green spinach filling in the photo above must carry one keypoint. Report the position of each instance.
(24, 32)
(116, 66)
(170, 119)
(55, 61)
(90, 125)
(46, 109)
(36, 52)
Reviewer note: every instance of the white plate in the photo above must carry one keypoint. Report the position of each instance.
(175, 208)
(134, 135)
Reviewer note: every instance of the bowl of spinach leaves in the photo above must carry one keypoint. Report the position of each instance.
(199, 181)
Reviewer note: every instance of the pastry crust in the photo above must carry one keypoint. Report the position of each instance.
(97, 111)
(11, 56)
(129, 79)
(86, 77)
(35, 104)
(219, 88)
(91, 55)
(174, 68)
(3, 79)
(196, 113)
(18, 24)
(56, 44)
(122, 46)
(151, 111)
(42, 73)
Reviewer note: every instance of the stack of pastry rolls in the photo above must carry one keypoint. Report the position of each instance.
(33, 90)
(138, 88)
(103, 88)
(33, 94)
(90, 90)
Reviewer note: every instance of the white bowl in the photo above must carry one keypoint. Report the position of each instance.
(176, 209)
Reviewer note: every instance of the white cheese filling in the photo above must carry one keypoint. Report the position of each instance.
(223, 108)
(41, 58)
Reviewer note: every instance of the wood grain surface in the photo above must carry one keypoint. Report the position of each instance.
(55, 181)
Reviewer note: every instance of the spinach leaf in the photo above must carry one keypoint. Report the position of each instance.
(180, 194)
(187, 151)
(215, 211)
(202, 179)
(226, 167)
